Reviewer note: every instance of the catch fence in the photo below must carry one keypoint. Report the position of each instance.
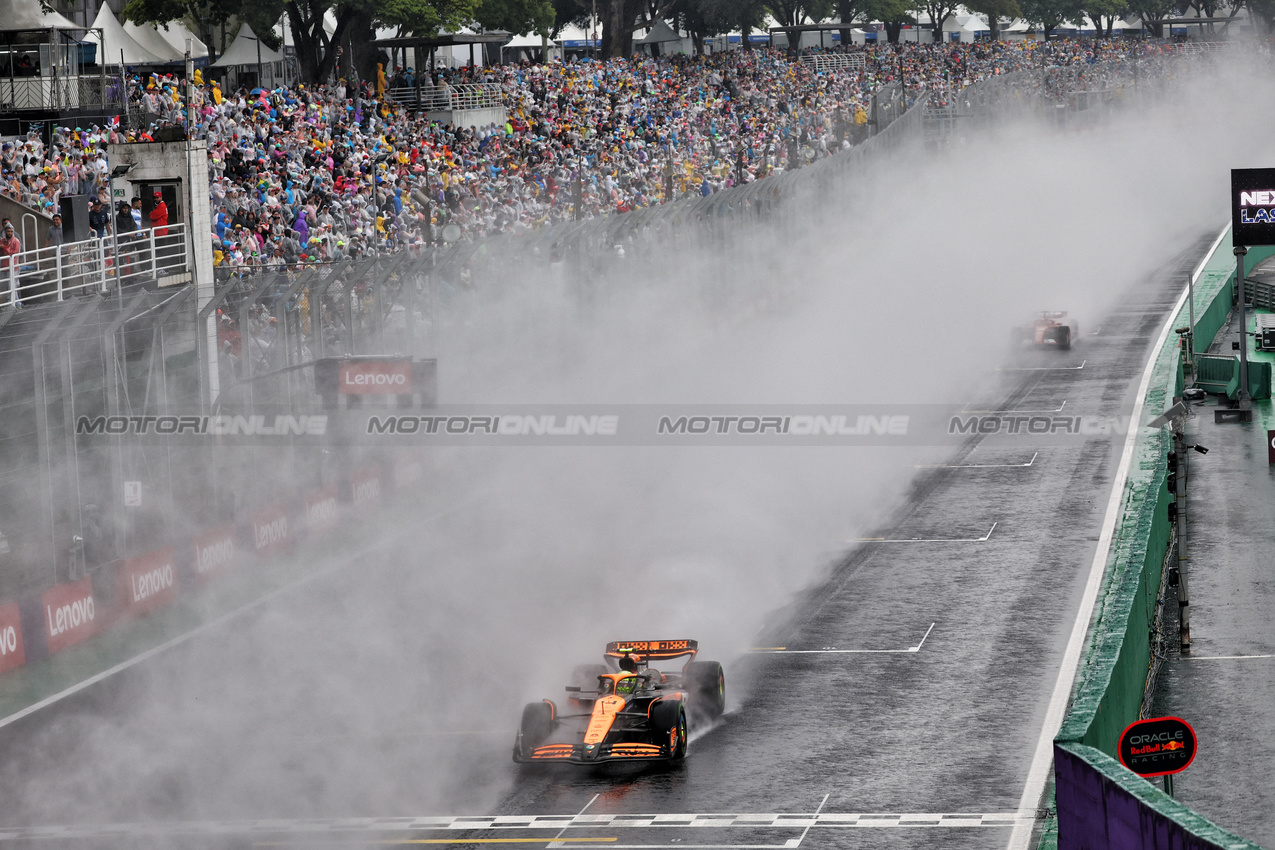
(148, 350)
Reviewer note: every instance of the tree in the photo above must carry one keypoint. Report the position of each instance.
(892, 13)
(1050, 13)
(939, 11)
(1152, 10)
(1104, 14)
(995, 10)
(516, 16)
(793, 13)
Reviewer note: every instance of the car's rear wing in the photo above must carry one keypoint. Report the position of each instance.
(652, 650)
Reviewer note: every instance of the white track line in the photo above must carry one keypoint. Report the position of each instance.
(556, 842)
(978, 465)
(212, 624)
(829, 650)
(812, 821)
(1038, 773)
(982, 539)
(1057, 409)
(917, 648)
(1222, 657)
(461, 826)
(1042, 368)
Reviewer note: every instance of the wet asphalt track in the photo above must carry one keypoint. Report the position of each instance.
(942, 730)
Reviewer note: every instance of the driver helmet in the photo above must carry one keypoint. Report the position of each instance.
(627, 685)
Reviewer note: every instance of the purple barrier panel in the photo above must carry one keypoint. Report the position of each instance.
(1102, 806)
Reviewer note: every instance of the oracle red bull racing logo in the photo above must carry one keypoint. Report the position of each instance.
(1158, 746)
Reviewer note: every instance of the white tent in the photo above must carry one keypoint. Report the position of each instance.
(175, 34)
(243, 51)
(660, 33)
(148, 37)
(115, 41)
(531, 39)
(27, 15)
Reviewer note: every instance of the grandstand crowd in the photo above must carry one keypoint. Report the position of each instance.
(329, 172)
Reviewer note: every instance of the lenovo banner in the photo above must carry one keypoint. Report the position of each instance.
(70, 614)
(146, 582)
(12, 652)
(321, 509)
(214, 553)
(270, 532)
(376, 376)
(365, 486)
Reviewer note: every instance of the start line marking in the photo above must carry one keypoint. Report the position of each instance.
(558, 823)
(982, 539)
(832, 650)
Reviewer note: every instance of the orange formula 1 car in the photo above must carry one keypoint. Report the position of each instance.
(627, 709)
(1050, 328)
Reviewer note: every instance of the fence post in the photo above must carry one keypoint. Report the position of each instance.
(154, 259)
(101, 264)
(57, 264)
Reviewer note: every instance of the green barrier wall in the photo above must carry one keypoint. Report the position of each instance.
(1100, 803)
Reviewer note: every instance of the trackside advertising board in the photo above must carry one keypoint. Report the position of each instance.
(321, 509)
(1157, 746)
(215, 551)
(1253, 206)
(70, 614)
(12, 652)
(270, 531)
(376, 376)
(365, 486)
(146, 582)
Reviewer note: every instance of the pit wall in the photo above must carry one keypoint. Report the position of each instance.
(1101, 804)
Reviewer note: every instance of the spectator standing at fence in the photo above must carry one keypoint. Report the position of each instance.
(136, 212)
(124, 219)
(159, 215)
(53, 236)
(99, 219)
(10, 247)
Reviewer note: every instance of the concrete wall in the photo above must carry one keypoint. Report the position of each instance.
(470, 117)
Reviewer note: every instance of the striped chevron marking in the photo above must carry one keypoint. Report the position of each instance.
(518, 822)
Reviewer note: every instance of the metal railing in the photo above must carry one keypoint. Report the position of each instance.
(834, 61)
(57, 272)
(60, 92)
(449, 97)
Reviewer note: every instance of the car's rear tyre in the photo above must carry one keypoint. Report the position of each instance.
(668, 718)
(1063, 336)
(707, 683)
(538, 719)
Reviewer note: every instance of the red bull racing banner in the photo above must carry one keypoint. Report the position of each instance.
(1157, 746)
